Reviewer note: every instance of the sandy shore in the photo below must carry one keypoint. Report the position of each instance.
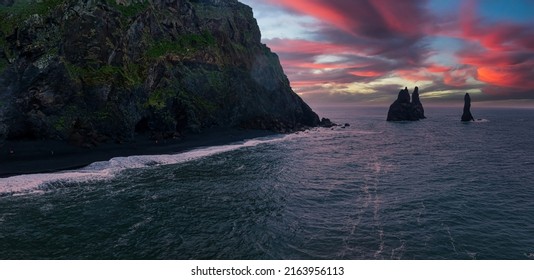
(27, 157)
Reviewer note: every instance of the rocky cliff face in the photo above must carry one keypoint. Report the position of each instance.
(404, 110)
(98, 70)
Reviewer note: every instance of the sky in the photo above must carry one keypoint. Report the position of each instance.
(365, 51)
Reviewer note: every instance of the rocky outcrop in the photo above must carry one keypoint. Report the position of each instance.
(404, 110)
(88, 71)
(466, 116)
(327, 123)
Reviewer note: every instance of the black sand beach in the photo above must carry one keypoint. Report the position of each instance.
(28, 157)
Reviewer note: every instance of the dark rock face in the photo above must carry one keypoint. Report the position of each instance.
(466, 116)
(6, 2)
(87, 71)
(327, 123)
(404, 110)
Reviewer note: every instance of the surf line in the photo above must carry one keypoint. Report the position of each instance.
(107, 170)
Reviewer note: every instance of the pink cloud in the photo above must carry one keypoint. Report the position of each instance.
(375, 39)
(375, 18)
(366, 73)
(434, 68)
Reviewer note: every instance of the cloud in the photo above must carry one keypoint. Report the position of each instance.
(375, 18)
(371, 40)
(367, 49)
(501, 53)
(358, 47)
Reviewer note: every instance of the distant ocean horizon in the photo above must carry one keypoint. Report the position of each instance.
(431, 189)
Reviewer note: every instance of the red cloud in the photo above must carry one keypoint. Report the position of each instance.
(502, 53)
(513, 77)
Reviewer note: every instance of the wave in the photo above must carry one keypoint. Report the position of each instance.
(106, 170)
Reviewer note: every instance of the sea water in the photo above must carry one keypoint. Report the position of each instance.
(432, 189)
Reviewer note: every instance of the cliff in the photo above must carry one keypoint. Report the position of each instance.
(91, 71)
(404, 110)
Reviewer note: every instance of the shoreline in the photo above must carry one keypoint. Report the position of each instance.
(48, 156)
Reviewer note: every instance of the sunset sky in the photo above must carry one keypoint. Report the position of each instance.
(364, 51)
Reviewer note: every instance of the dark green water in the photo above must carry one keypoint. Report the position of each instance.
(434, 189)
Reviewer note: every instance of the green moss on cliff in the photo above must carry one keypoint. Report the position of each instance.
(93, 75)
(186, 44)
(197, 109)
(21, 10)
(158, 99)
(60, 124)
(133, 74)
(129, 75)
(131, 10)
(3, 65)
(63, 121)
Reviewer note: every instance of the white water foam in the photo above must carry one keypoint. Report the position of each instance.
(105, 170)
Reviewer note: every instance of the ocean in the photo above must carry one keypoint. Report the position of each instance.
(432, 189)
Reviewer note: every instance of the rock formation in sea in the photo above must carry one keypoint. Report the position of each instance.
(466, 116)
(417, 105)
(106, 70)
(404, 110)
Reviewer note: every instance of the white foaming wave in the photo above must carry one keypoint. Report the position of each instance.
(105, 170)
(28, 183)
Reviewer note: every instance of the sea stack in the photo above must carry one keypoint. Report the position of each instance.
(466, 116)
(404, 110)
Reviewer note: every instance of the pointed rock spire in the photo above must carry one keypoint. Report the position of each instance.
(404, 96)
(417, 105)
(466, 116)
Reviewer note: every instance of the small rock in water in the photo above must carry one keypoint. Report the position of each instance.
(326, 123)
